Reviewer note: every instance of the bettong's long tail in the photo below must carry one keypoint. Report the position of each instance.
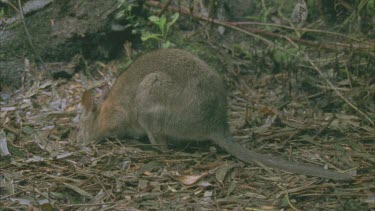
(249, 156)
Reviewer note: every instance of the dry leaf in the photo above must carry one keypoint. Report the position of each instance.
(191, 179)
(222, 172)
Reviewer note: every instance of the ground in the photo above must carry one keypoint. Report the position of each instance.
(49, 168)
(308, 104)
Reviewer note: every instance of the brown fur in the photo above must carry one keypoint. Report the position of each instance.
(173, 95)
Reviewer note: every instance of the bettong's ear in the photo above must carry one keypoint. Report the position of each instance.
(88, 101)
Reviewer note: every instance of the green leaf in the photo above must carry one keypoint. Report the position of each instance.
(147, 35)
(154, 19)
(166, 44)
(1, 13)
(279, 56)
(371, 6)
(284, 202)
(285, 55)
(174, 19)
(162, 28)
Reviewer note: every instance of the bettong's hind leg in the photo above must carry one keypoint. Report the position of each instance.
(158, 141)
(152, 101)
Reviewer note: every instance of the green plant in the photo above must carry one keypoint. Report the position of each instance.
(164, 28)
(126, 15)
(1, 13)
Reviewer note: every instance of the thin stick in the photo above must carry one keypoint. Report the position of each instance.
(164, 8)
(337, 91)
(29, 36)
(293, 28)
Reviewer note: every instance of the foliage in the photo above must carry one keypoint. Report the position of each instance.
(1, 13)
(128, 13)
(164, 29)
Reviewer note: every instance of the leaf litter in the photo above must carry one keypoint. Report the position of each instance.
(44, 166)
